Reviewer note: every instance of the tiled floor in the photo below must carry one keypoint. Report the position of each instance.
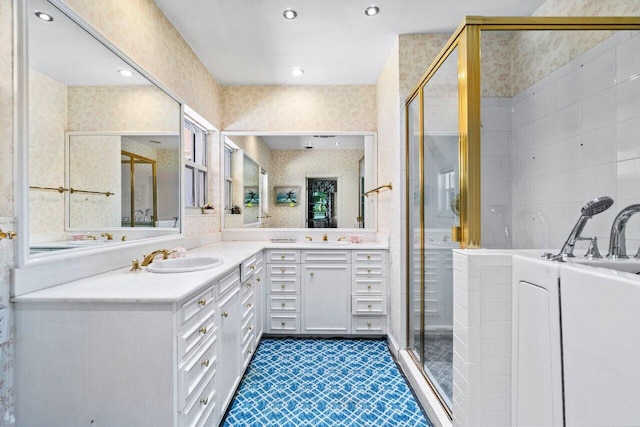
(438, 361)
(316, 382)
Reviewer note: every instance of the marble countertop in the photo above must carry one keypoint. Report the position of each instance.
(124, 286)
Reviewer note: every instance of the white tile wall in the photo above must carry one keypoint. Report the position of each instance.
(482, 338)
(576, 136)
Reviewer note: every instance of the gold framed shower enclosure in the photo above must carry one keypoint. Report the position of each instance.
(466, 40)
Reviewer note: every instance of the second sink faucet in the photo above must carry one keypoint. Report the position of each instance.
(148, 259)
(617, 241)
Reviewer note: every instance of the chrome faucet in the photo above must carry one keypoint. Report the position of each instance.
(594, 207)
(148, 259)
(617, 243)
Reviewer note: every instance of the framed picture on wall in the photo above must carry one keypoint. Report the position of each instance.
(251, 196)
(288, 195)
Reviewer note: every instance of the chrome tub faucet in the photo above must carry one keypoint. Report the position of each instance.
(617, 241)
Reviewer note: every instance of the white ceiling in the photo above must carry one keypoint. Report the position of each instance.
(249, 41)
(324, 142)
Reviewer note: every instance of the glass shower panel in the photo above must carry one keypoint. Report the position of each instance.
(413, 237)
(441, 213)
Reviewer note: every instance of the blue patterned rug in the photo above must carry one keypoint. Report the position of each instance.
(324, 382)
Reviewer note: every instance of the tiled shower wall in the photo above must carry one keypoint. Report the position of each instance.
(576, 136)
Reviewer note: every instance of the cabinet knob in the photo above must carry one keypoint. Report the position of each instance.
(368, 256)
(368, 270)
(281, 256)
(203, 330)
(225, 314)
(369, 324)
(282, 304)
(249, 351)
(283, 286)
(311, 274)
(369, 305)
(283, 323)
(205, 363)
(368, 286)
(282, 269)
(202, 302)
(249, 285)
(249, 305)
(253, 267)
(249, 327)
(258, 279)
(204, 401)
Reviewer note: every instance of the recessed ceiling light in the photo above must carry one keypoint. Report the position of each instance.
(372, 10)
(44, 16)
(337, 143)
(297, 71)
(124, 72)
(289, 14)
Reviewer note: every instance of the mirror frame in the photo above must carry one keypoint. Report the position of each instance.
(21, 137)
(372, 134)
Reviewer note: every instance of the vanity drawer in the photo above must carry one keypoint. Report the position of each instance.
(227, 282)
(375, 286)
(368, 271)
(277, 255)
(248, 306)
(369, 305)
(199, 409)
(369, 257)
(284, 303)
(197, 305)
(284, 323)
(369, 324)
(194, 334)
(247, 350)
(280, 270)
(246, 288)
(248, 326)
(195, 369)
(327, 256)
(284, 285)
(247, 268)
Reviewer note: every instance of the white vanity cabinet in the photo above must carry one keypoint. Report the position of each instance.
(369, 292)
(283, 291)
(173, 364)
(326, 288)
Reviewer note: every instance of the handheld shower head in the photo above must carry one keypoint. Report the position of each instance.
(593, 207)
(596, 206)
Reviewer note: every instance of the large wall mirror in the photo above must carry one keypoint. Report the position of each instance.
(299, 180)
(103, 141)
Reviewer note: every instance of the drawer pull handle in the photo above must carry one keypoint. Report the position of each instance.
(204, 401)
(249, 328)
(281, 256)
(369, 305)
(311, 274)
(253, 267)
(368, 256)
(249, 305)
(225, 314)
(282, 269)
(202, 302)
(283, 323)
(283, 286)
(282, 304)
(369, 270)
(203, 330)
(369, 324)
(249, 285)
(258, 279)
(368, 286)
(205, 363)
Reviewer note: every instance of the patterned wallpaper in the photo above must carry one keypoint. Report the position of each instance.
(288, 168)
(122, 108)
(299, 108)
(390, 142)
(48, 121)
(94, 165)
(417, 52)
(140, 30)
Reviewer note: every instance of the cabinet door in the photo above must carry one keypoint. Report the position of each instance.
(326, 298)
(230, 349)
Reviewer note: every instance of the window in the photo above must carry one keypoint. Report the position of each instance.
(195, 160)
(228, 180)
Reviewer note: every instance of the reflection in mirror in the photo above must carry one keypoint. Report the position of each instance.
(81, 90)
(291, 167)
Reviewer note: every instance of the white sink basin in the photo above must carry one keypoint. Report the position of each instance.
(184, 265)
(630, 265)
(327, 243)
